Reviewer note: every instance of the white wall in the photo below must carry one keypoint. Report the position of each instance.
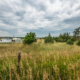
(5, 40)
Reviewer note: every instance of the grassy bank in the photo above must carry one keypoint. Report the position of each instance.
(40, 61)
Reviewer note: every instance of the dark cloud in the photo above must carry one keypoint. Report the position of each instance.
(73, 20)
(49, 18)
(69, 12)
(30, 2)
(78, 8)
(11, 31)
(5, 9)
(7, 21)
(52, 1)
(41, 7)
(20, 13)
(41, 17)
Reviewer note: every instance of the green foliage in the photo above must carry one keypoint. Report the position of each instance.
(61, 40)
(76, 33)
(78, 43)
(56, 39)
(69, 42)
(63, 37)
(30, 38)
(39, 64)
(73, 38)
(49, 39)
(53, 38)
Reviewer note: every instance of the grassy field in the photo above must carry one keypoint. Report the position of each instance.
(40, 61)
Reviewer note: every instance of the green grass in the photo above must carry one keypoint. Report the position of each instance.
(40, 61)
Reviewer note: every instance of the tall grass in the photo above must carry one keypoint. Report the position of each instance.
(40, 61)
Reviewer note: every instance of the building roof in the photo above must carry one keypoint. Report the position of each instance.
(16, 39)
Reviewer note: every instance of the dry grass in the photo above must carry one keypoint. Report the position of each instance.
(40, 61)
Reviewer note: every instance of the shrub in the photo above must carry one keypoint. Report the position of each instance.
(49, 39)
(64, 37)
(78, 43)
(30, 38)
(69, 42)
(73, 39)
(56, 39)
(61, 40)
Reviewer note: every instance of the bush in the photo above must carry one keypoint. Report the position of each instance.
(56, 39)
(73, 39)
(29, 38)
(69, 42)
(61, 40)
(48, 39)
(64, 37)
(78, 43)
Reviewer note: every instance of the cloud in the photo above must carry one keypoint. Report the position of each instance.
(4, 34)
(17, 17)
(74, 20)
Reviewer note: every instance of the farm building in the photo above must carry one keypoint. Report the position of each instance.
(5, 40)
(17, 40)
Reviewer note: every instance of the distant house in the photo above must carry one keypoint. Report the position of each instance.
(17, 40)
(5, 40)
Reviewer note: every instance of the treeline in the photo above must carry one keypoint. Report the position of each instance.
(65, 37)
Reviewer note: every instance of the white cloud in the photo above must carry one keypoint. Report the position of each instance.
(4, 33)
(50, 15)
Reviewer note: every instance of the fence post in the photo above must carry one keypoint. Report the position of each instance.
(19, 58)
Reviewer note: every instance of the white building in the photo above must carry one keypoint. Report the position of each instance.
(5, 40)
(17, 40)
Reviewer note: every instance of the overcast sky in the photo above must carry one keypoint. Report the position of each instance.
(18, 17)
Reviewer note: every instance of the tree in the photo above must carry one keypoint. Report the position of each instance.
(78, 43)
(64, 37)
(56, 39)
(29, 38)
(76, 33)
(49, 39)
(69, 41)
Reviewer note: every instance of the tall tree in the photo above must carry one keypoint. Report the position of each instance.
(65, 36)
(76, 33)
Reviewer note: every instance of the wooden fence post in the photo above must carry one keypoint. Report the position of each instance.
(19, 58)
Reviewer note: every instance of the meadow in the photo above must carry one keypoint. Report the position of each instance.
(40, 61)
